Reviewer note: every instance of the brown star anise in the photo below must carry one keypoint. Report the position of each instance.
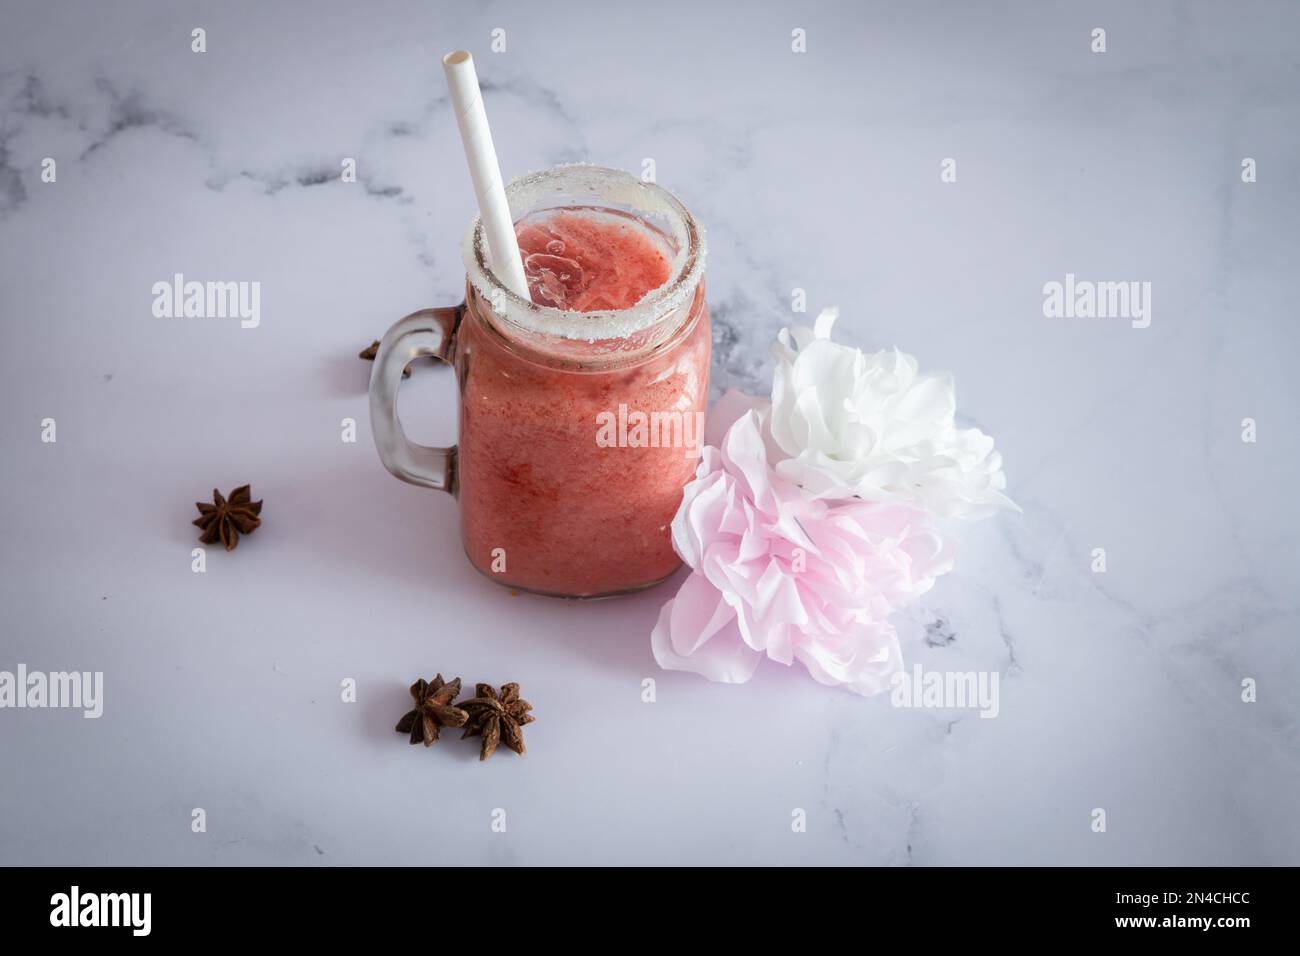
(226, 519)
(499, 717)
(369, 355)
(433, 710)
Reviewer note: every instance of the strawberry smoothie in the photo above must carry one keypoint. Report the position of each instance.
(549, 501)
(591, 259)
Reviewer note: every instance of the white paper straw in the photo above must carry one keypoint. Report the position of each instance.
(498, 226)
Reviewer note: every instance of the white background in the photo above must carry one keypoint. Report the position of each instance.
(816, 170)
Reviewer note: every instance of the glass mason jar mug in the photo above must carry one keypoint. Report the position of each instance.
(578, 429)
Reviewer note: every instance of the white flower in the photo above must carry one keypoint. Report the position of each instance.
(871, 426)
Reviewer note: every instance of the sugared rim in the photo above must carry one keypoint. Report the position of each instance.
(612, 187)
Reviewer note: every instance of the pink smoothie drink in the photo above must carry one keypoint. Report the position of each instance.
(589, 260)
(553, 499)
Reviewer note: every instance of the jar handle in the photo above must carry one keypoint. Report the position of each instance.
(429, 333)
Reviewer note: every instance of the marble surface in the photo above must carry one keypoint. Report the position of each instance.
(1119, 690)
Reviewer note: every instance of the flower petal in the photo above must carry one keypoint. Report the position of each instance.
(697, 632)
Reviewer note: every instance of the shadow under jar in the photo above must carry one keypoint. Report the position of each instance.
(578, 429)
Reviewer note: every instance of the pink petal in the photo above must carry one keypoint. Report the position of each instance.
(697, 632)
(728, 410)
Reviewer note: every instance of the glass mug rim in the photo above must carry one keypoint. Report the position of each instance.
(563, 329)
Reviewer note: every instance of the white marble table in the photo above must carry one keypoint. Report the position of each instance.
(1119, 690)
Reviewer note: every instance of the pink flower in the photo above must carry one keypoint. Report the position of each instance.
(778, 572)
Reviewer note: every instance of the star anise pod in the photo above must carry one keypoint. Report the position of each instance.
(369, 355)
(226, 519)
(499, 717)
(433, 710)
